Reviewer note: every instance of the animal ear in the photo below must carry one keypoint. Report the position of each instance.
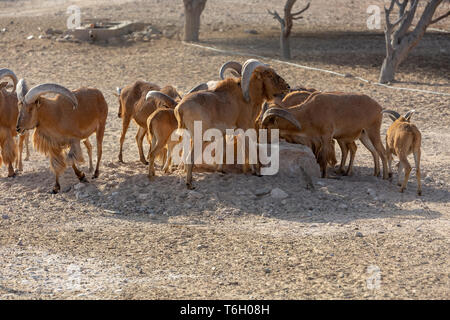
(38, 102)
(409, 114)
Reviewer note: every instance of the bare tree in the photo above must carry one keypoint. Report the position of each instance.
(399, 41)
(192, 12)
(286, 26)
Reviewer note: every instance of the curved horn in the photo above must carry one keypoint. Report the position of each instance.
(22, 90)
(6, 73)
(161, 96)
(394, 115)
(235, 66)
(201, 86)
(408, 115)
(282, 113)
(41, 89)
(247, 71)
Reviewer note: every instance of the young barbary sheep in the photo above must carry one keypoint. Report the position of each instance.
(325, 116)
(402, 139)
(233, 103)
(133, 105)
(62, 122)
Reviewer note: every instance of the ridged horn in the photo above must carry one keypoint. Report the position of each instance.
(22, 90)
(201, 86)
(236, 68)
(6, 73)
(168, 101)
(408, 115)
(394, 115)
(41, 89)
(247, 71)
(282, 113)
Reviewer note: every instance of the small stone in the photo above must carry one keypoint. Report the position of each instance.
(79, 186)
(30, 37)
(201, 246)
(195, 195)
(143, 196)
(359, 234)
(251, 31)
(5, 217)
(79, 230)
(277, 193)
(343, 206)
(267, 270)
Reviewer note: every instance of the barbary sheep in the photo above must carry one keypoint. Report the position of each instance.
(325, 116)
(62, 122)
(233, 103)
(133, 105)
(8, 119)
(402, 139)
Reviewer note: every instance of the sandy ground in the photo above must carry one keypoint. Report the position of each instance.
(123, 236)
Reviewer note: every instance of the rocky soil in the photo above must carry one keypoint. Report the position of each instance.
(235, 236)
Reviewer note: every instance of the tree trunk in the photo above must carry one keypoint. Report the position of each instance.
(387, 73)
(192, 11)
(285, 46)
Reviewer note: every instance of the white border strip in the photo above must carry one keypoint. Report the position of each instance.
(311, 68)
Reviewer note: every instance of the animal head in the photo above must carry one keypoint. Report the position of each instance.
(272, 84)
(272, 116)
(171, 92)
(395, 116)
(29, 102)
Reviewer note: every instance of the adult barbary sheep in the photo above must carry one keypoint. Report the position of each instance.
(62, 122)
(402, 139)
(8, 119)
(232, 104)
(325, 116)
(133, 105)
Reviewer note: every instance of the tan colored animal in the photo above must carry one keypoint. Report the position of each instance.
(402, 139)
(325, 116)
(139, 110)
(8, 119)
(160, 126)
(128, 99)
(234, 103)
(61, 123)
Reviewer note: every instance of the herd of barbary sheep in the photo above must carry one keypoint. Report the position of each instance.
(254, 97)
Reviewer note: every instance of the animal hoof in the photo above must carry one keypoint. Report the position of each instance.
(12, 175)
(144, 162)
(419, 193)
(83, 179)
(54, 191)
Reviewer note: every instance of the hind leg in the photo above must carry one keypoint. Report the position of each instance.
(352, 146)
(99, 136)
(9, 153)
(407, 167)
(417, 163)
(374, 136)
(139, 140)
(344, 153)
(88, 145)
(376, 159)
(125, 124)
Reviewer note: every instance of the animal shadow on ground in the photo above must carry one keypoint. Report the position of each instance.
(125, 191)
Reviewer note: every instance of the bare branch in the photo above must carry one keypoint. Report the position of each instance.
(441, 17)
(301, 11)
(276, 16)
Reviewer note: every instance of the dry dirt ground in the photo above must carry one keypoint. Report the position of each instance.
(125, 237)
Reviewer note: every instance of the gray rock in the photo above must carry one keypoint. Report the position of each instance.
(359, 234)
(277, 193)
